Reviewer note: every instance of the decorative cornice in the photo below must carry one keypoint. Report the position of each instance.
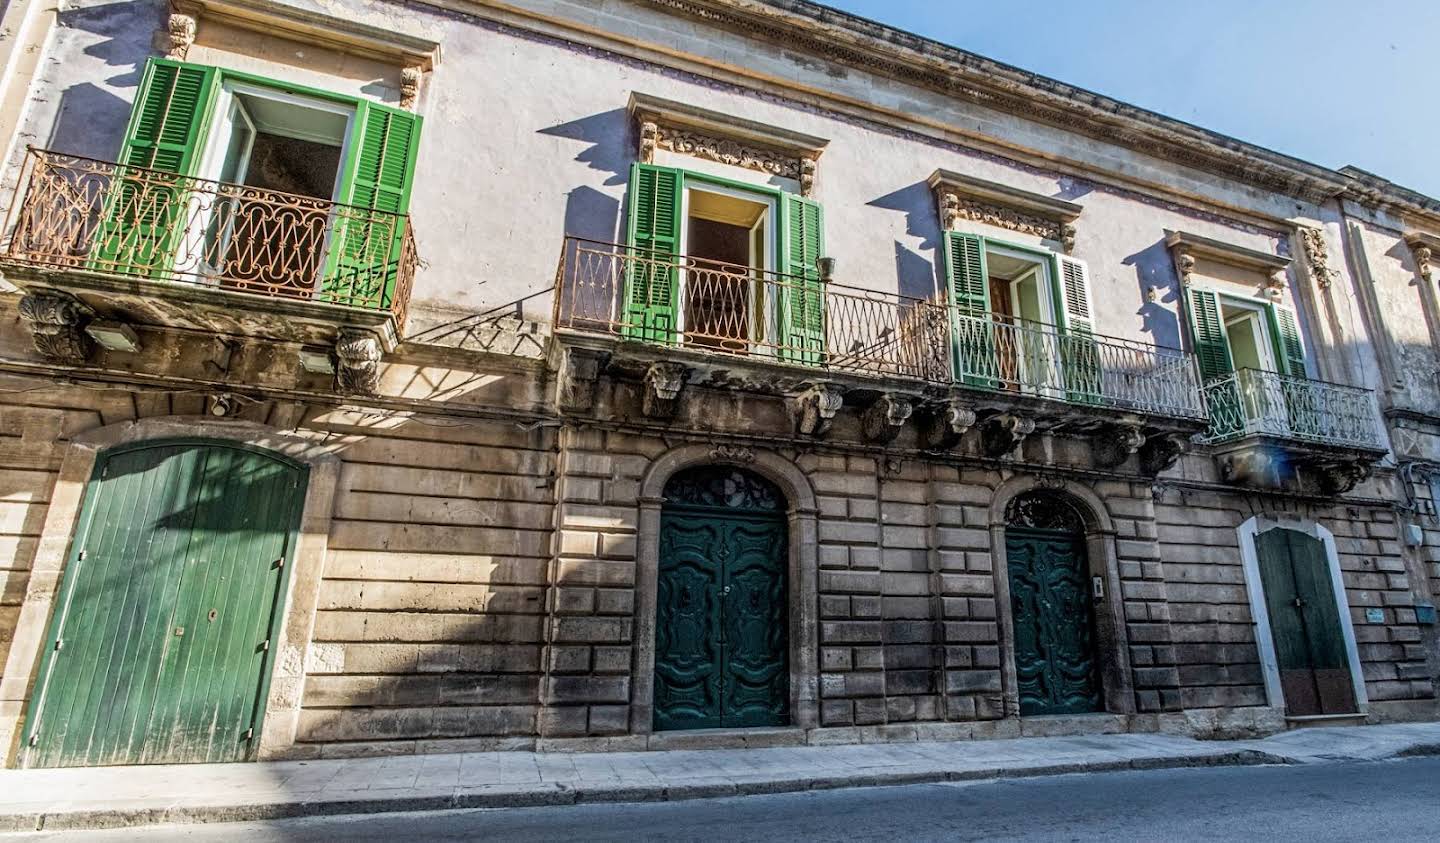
(963, 197)
(316, 27)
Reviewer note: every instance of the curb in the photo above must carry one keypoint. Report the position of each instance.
(528, 796)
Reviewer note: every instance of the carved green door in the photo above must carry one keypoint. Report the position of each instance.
(721, 638)
(159, 647)
(1305, 624)
(1055, 666)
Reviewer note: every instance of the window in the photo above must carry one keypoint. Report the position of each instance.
(723, 265)
(1232, 332)
(281, 188)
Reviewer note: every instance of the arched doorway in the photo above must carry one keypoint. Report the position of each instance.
(160, 645)
(721, 626)
(1057, 668)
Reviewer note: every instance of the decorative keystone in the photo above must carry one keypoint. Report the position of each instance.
(1337, 478)
(663, 382)
(741, 454)
(579, 378)
(1113, 444)
(817, 408)
(947, 425)
(882, 421)
(1160, 453)
(57, 325)
(358, 354)
(1002, 434)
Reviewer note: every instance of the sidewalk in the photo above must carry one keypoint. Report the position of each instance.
(108, 797)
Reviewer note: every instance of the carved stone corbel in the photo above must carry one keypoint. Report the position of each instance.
(808, 167)
(1160, 453)
(1423, 256)
(649, 137)
(882, 421)
(946, 425)
(357, 354)
(1423, 247)
(579, 378)
(949, 211)
(1337, 478)
(57, 325)
(410, 79)
(177, 36)
(1068, 233)
(1002, 434)
(1184, 267)
(1275, 285)
(1113, 444)
(816, 408)
(663, 382)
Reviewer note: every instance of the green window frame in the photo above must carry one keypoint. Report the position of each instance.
(170, 126)
(1211, 345)
(655, 231)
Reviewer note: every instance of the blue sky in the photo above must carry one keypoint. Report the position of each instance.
(1335, 82)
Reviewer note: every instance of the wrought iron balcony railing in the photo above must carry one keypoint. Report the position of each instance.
(79, 213)
(1249, 402)
(722, 307)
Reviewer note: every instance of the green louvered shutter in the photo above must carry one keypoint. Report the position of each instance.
(651, 277)
(1287, 339)
(1079, 352)
(968, 287)
(144, 213)
(802, 298)
(1212, 352)
(369, 229)
(1303, 413)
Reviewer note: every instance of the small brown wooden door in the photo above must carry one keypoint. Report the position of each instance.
(1305, 624)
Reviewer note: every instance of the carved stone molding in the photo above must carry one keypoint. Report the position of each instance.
(1185, 248)
(410, 79)
(816, 408)
(1160, 453)
(1113, 444)
(964, 197)
(882, 421)
(1423, 247)
(946, 425)
(711, 147)
(663, 383)
(579, 379)
(57, 325)
(177, 36)
(1337, 478)
(741, 454)
(358, 354)
(1002, 434)
(1317, 256)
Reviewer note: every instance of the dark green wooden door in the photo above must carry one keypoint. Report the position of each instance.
(1305, 624)
(1055, 666)
(159, 646)
(720, 636)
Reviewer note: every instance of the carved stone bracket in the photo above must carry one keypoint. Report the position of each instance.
(1275, 285)
(1184, 267)
(358, 354)
(816, 408)
(410, 79)
(1002, 434)
(663, 383)
(946, 425)
(1113, 444)
(1317, 256)
(177, 36)
(579, 378)
(649, 135)
(57, 325)
(1337, 478)
(1160, 453)
(882, 421)
(1424, 248)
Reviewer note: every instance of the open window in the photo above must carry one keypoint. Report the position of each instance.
(728, 242)
(1251, 358)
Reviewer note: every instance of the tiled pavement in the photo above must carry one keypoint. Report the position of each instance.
(115, 796)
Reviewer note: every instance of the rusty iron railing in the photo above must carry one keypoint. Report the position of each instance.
(1249, 402)
(715, 306)
(73, 212)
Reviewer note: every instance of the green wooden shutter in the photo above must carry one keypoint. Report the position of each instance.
(145, 212)
(368, 232)
(652, 277)
(1212, 352)
(802, 298)
(1291, 357)
(1079, 352)
(968, 286)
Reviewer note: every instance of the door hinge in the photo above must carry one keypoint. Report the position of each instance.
(250, 733)
(59, 644)
(265, 646)
(34, 738)
(82, 555)
(280, 563)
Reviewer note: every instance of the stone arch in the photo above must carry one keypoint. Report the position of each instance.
(802, 571)
(1112, 640)
(282, 709)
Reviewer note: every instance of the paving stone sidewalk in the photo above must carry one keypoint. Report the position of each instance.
(108, 797)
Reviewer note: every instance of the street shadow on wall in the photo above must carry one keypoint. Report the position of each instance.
(1154, 269)
(90, 119)
(591, 213)
(918, 276)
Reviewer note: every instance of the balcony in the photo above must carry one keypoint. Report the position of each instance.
(1270, 428)
(148, 247)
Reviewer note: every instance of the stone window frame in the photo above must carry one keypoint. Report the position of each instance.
(1246, 534)
(57, 531)
(1186, 248)
(715, 136)
(1112, 639)
(963, 197)
(802, 537)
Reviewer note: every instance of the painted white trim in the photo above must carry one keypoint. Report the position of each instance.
(1264, 639)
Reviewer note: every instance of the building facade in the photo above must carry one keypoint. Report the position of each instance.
(385, 377)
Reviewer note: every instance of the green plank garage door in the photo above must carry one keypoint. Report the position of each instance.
(159, 648)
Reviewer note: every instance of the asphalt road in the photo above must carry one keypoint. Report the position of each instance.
(1394, 800)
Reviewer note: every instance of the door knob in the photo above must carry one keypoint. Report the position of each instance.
(725, 590)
